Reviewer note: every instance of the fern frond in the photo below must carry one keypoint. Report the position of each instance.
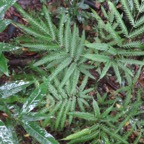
(105, 69)
(83, 84)
(49, 22)
(86, 72)
(97, 57)
(96, 109)
(80, 48)
(60, 114)
(80, 104)
(133, 44)
(68, 73)
(84, 138)
(130, 53)
(139, 22)
(141, 7)
(61, 66)
(98, 18)
(125, 69)
(55, 63)
(57, 106)
(84, 115)
(117, 72)
(127, 11)
(72, 108)
(114, 34)
(30, 19)
(67, 108)
(55, 56)
(61, 29)
(32, 32)
(136, 32)
(132, 61)
(74, 41)
(118, 18)
(116, 136)
(137, 5)
(75, 79)
(40, 46)
(67, 36)
(85, 102)
(54, 92)
(61, 90)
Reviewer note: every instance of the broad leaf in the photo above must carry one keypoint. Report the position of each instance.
(8, 47)
(3, 24)
(4, 5)
(6, 135)
(33, 116)
(38, 133)
(9, 89)
(34, 98)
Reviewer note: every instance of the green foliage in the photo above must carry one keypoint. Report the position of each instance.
(22, 115)
(105, 122)
(62, 95)
(116, 44)
(4, 5)
(61, 101)
(64, 48)
(5, 47)
(75, 9)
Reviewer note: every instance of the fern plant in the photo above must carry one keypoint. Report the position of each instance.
(60, 101)
(117, 45)
(107, 125)
(63, 48)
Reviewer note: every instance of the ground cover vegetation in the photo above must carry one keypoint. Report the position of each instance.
(84, 80)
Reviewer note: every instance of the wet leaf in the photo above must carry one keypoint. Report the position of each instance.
(35, 116)
(9, 89)
(38, 133)
(34, 98)
(6, 135)
(5, 5)
(7, 47)
(3, 24)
